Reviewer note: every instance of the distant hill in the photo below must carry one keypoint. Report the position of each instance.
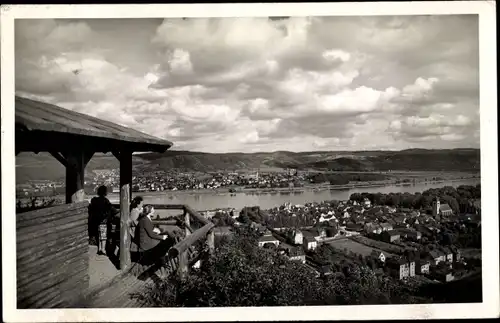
(44, 166)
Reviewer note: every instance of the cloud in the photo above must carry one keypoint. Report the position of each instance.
(250, 84)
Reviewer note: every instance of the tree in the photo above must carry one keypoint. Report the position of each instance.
(243, 218)
(242, 274)
(331, 231)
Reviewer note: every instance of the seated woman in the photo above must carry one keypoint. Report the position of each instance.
(135, 211)
(153, 244)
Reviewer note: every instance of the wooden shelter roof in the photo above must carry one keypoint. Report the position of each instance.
(42, 126)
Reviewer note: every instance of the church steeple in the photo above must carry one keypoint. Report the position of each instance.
(436, 206)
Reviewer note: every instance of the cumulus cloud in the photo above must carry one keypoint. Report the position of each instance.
(258, 84)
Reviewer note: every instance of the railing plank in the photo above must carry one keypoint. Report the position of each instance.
(196, 215)
(187, 242)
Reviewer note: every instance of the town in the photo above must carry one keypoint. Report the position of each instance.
(424, 245)
(156, 181)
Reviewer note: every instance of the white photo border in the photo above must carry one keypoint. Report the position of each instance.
(489, 162)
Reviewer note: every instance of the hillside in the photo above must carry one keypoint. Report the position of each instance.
(415, 159)
(44, 166)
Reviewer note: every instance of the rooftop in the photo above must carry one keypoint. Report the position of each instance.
(42, 126)
(445, 207)
(393, 233)
(268, 238)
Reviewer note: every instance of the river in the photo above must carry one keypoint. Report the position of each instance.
(210, 201)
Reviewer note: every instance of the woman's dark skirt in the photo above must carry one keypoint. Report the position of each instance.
(157, 254)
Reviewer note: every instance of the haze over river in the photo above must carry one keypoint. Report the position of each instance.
(211, 201)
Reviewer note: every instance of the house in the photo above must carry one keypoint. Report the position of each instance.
(410, 234)
(423, 266)
(389, 209)
(414, 235)
(293, 253)
(413, 221)
(437, 256)
(448, 254)
(401, 268)
(268, 239)
(378, 255)
(259, 228)
(390, 236)
(310, 243)
(354, 227)
(327, 217)
(477, 206)
(222, 231)
(297, 255)
(319, 232)
(371, 227)
(401, 226)
(377, 210)
(400, 219)
(386, 226)
(324, 270)
(471, 220)
(295, 236)
(444, 276)
(457, 256)
(391, 222)
(415, 213)
(358, 219)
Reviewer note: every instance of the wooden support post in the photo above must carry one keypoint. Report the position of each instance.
(187, 221)
(182, 269)
(125, 184)
(75, 169)
(211, 241)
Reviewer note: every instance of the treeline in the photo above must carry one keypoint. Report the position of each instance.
(345, 178)
(458, 198)
(240, 273)
(455, 234)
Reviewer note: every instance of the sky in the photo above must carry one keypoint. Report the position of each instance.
(264, 84)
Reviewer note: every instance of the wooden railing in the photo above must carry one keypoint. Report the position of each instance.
(198, 237)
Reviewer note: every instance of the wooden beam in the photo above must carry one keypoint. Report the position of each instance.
(75, 172)
(196, 216)
(116, 154)
(59, 158)
(87, 157)
(191, 239)
(125, 190)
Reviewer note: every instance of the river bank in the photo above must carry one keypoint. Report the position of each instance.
(209, 200)
(309, 187)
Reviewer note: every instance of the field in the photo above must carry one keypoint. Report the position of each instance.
(388, 247)
(355, 247)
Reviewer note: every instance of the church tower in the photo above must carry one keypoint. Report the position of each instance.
(436, 205)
